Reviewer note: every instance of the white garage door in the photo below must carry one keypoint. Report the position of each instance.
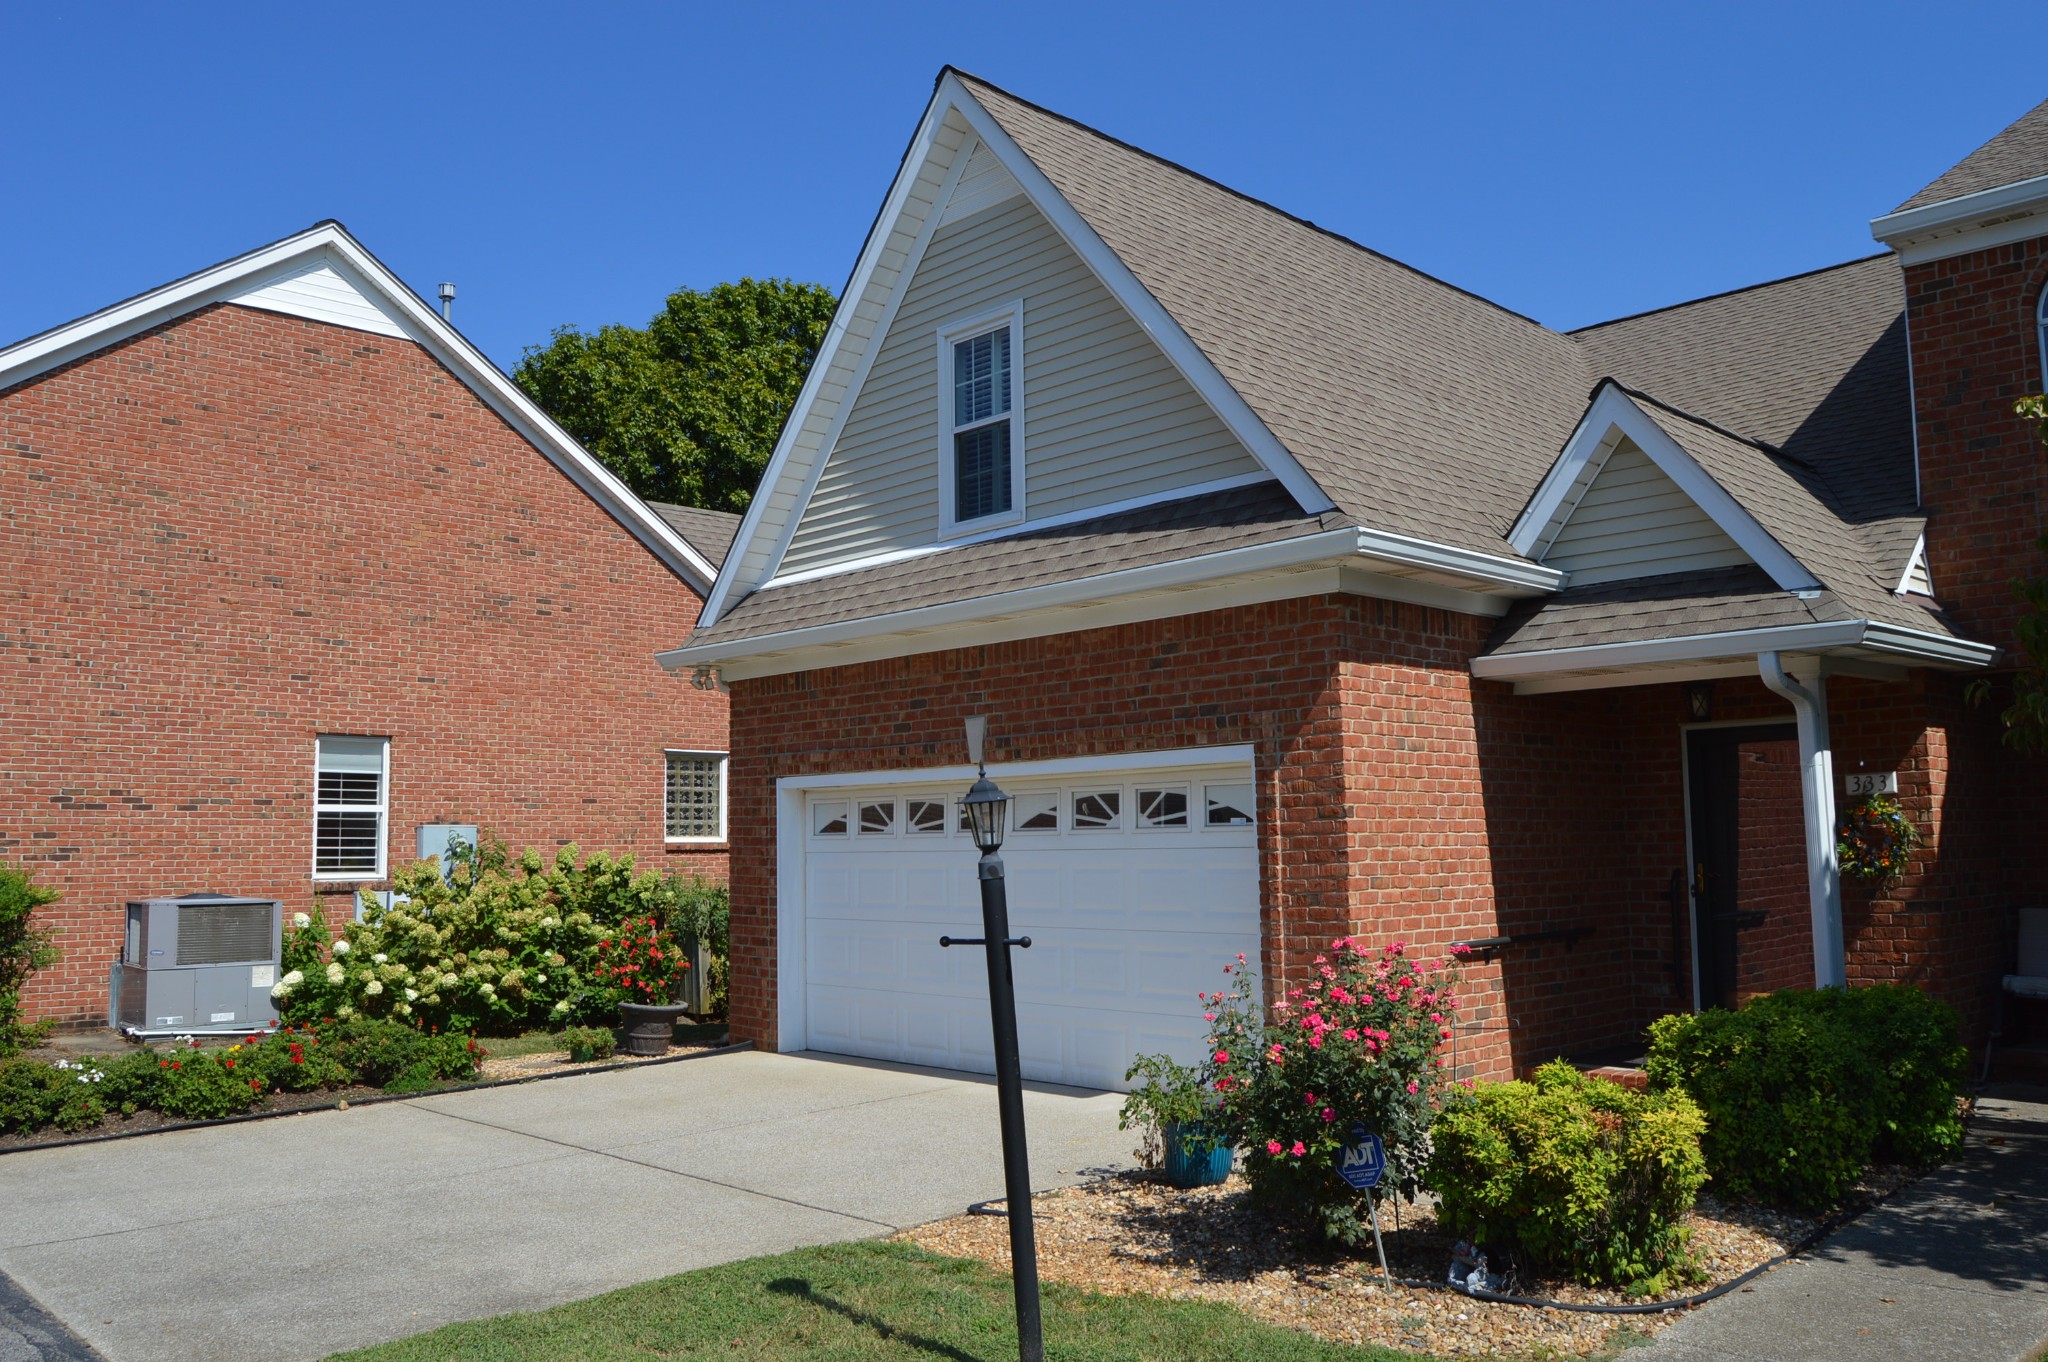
(1136, 887)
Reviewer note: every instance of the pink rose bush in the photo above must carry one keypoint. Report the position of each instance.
(1363, 1042)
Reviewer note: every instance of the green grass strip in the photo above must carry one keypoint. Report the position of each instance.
(861, 1302)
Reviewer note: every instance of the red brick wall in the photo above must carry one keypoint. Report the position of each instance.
(1770, 833)
(1975, 349)
(1398, 798)
(241, 530)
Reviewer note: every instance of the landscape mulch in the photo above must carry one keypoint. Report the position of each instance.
(492, 1072)
(1134, 1232)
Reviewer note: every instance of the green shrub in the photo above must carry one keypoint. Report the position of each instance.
(293, 1059)
(1573, 1174)
(1803, 1088)
(589, 1042)
(701, 908)
(194, 1084)
(24, 949)
(380, 1053)
(499, 947)
(129, 1083)
(34, 1094)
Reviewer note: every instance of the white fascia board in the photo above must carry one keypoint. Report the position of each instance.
(785, 464)
(1489, 568)
(1871, 634)
(1147, 311)
(1611, 410)
(39, 354)
(1969, 222)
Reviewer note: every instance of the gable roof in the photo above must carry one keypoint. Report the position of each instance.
(1415, 411)
(2020, 152)
(325, 273)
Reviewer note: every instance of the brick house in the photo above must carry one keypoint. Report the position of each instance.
(292, 569)
(1308, 595)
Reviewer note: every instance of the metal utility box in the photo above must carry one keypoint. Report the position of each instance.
(197, 963)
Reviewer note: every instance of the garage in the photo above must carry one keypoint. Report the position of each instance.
(1136, 884)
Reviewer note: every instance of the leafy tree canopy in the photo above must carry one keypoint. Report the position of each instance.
(688, 408)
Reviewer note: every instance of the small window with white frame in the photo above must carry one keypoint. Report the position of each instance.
(981, 441)
(695, 804)
(2041, 333)
(351, 806)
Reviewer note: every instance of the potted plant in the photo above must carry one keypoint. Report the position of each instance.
(646, 964)
(1183, 1123)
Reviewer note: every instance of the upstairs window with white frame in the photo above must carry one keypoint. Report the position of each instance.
(981, 448)
(696, 797)
(351, 806)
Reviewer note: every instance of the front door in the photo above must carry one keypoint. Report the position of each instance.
(1751, 932)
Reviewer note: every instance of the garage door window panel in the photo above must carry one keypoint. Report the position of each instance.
(877, 818)
(1229, 806)
(828, 818)
(1163, 807)
(1097, 810)
(924, 817)
(1038, 811)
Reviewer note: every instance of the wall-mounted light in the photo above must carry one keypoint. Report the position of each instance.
(1699, 699)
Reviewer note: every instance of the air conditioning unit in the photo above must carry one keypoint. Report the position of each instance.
(197, 963)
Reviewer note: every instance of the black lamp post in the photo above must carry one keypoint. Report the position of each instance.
(986, 807)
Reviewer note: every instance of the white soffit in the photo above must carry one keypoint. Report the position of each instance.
(1971, 222)
(326, 275)
(958, 145)
(1612, 417)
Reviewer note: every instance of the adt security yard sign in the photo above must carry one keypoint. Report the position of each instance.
(1363, 1161)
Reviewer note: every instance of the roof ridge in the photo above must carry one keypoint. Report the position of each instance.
(1765, 445)
(1726, 293)
(1253, 199)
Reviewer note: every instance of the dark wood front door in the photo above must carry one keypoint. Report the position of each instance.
(1748, 871)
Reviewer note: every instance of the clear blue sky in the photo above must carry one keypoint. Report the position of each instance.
(572, 163)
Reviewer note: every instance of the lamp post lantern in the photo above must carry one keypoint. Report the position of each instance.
(987, 807)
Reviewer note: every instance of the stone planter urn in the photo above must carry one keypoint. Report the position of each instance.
(647, 1028)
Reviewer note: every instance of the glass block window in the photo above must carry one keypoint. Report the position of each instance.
(1163, 808)
(1097, 809)
(828, 818)
(350, 804)
(923, 817)
(878, 819)
(696, 797)
(1228, 806)
(1037, 811)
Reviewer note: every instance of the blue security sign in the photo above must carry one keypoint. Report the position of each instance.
(1361, 1162)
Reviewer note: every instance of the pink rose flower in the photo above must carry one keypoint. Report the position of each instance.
(1272, 1146)
(1299, 1149)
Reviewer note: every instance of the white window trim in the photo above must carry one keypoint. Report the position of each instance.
(724, 764)
(382, 809)
(1010, 315)
(2041, 334)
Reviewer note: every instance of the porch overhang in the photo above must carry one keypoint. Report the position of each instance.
(1853, 647)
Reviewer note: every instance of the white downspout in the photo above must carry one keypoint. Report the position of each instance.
(1817, 795)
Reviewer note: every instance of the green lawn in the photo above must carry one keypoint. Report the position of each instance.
(861, 1302)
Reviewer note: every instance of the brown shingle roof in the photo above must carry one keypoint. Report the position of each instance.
(1677, 605)
(1165, 533)
(1417, 407)
(709, 532)
(2018, 153)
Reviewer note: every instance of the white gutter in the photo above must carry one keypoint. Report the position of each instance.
(1890, 638)
(1817, 797)
(1956, 212)
(1278, 555)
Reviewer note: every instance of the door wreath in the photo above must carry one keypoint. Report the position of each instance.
(1875, 840)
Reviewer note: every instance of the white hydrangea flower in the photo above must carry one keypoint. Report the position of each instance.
(412, 995)
(294, 979)
(341, 947)
(486, 989)
(379, 958)
(301, 921)
(280, 990)
(334, 972)
(403, 1009)
(345, 1011)
(373, 988)
(540, 978)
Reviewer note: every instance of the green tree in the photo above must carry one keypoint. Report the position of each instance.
(688, 408)
(24, 949)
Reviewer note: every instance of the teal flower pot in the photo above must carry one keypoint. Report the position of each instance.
(1192, 1160)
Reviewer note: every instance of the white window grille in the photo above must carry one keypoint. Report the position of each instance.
(352, 778)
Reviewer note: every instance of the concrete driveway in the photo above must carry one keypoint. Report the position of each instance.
(292, 1238)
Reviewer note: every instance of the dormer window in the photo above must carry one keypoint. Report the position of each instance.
(981, 448)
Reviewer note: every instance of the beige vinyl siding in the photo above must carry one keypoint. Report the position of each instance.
(1105, 416)
(1633, 521)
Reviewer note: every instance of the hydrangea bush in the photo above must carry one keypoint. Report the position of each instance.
(495, 948)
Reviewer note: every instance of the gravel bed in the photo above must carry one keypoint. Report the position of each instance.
(1133, 1232)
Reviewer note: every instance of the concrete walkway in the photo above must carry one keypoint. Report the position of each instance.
(292, 1238)
(1954, 1267)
